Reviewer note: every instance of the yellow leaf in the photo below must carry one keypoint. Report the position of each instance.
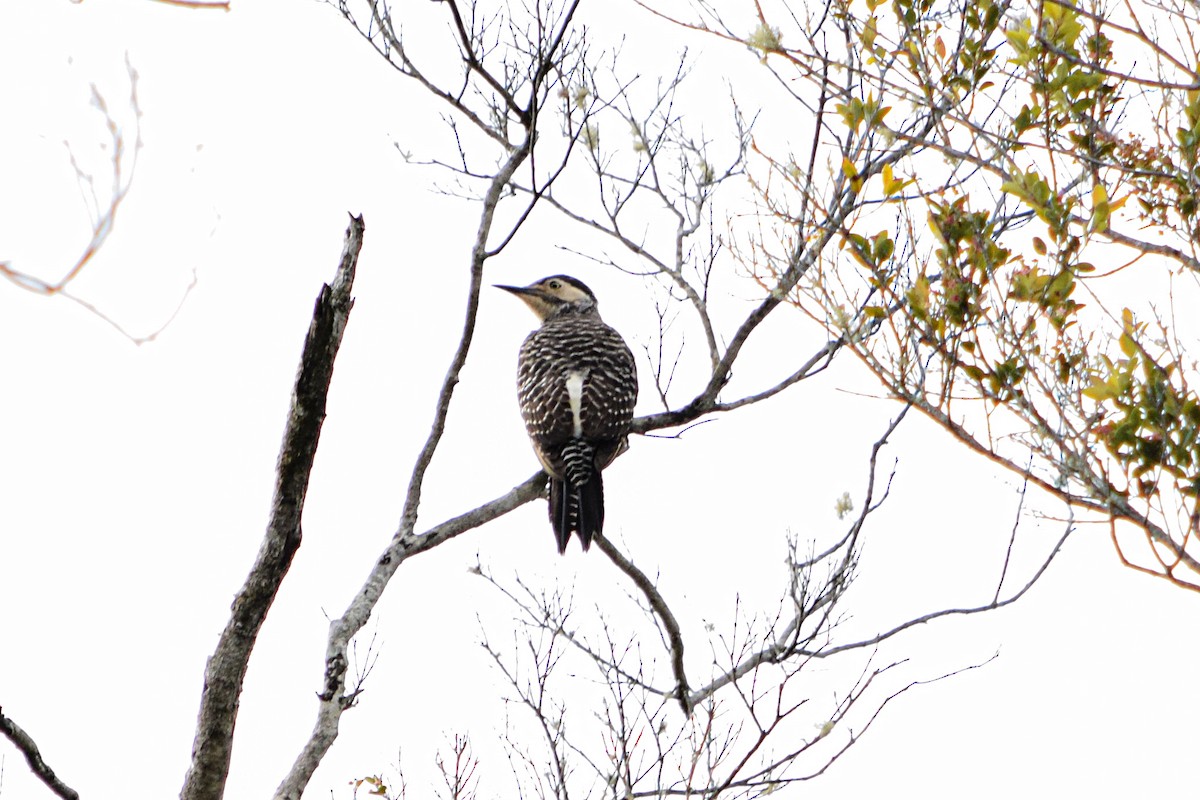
(1128, 345)
(870, 31)
(851, 172)
(1100, 208)
(891, 184)
(918, 297)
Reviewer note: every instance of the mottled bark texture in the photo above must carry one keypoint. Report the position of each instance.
(33, 756)
(226, 669)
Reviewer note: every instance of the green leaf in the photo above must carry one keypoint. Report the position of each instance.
(918, 298)
(884, 247)
(1061, 25)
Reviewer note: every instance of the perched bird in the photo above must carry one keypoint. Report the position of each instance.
(577, 384)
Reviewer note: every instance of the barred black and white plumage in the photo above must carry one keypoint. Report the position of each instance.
(577, 384)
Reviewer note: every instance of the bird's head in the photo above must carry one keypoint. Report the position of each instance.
(555, 294)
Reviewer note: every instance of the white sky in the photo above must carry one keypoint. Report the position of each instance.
(135, 481)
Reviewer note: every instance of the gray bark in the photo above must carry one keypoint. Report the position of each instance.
(226, 668)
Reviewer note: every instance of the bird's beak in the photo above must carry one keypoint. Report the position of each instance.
(532, 296)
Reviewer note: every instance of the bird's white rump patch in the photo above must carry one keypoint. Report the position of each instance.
(575, 380)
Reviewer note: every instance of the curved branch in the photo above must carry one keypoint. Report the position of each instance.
(787, 643)
(24, 742)
(674, 634)
(965, 611)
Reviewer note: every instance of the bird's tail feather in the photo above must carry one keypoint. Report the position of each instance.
(577, 502)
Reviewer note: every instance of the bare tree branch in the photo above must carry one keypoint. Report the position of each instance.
(674, 635)
(104, 213)
(546, 50)
(28, 748)
(226, 669)
(223, 5)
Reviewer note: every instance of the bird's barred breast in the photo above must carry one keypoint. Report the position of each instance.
(550, 355)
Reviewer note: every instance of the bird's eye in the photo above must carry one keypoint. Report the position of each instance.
(554, 285)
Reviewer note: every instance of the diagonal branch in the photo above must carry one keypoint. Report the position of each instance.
(674, 634)
(334, 699)
(33, 756)
(226, 669)
(479, 255)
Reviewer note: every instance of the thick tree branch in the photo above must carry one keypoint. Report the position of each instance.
(33, 756)
(226, 668)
